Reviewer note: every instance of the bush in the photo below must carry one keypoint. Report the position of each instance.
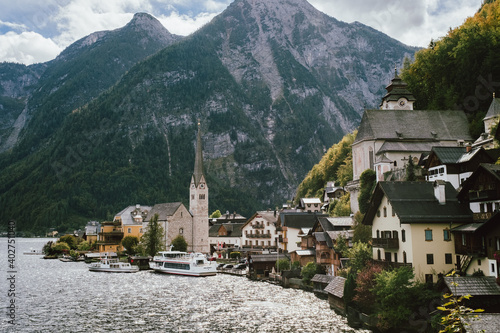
(130, 243)
(235, 255)
(295, 265)
(309, 270)
(61, 247)
(282, 264)
(71, 240)
(84, 246)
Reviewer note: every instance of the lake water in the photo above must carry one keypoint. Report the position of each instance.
(55, 296)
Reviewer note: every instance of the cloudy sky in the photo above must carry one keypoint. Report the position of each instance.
(37, 31)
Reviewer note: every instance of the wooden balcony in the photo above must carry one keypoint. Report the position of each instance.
(483, 195)
(386, 243)
(258, 226)
(482, 216)
(391, 264)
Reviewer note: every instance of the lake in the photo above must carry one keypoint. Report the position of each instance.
(56, 296)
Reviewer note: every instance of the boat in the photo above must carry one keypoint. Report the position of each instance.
(33, 252)
(112, 266)
(183, 263)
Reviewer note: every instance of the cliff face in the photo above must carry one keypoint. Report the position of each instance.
(274, 83)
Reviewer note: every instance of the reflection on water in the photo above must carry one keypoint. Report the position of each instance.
(55, 296)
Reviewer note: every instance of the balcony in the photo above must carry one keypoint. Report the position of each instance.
(483, 195)
(386, 243)
(391, 264)
(258, 235)
(258, 226)
(482, 216)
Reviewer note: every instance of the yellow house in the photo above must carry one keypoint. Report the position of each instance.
(131, 219)
(110, 236)
(411, 225)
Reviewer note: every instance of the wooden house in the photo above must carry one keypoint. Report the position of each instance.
(335, 291)
(320, 281)
(484, 290)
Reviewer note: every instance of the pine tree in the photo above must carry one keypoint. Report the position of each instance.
(152, 238)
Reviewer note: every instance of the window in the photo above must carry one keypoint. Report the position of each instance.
(395, 257)
(388, 256)
(446, 235)
(448, 259)
(430, 259)
(129, 230)
(464, 241)
(379, 255)
(385, 211)
(378, 213)
(181, 231)
(428, 235)
(493, 268)
(481, 208)
(405, 260)
(403, 235)
(202, 196)
(393, 211)
(428, 278)
(479, 262)
(394, 234)
(378, 233)
(192, 196)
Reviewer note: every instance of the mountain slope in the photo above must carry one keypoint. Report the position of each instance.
(83, 71)
(274, 82)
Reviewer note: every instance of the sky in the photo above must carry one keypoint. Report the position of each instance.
(33, 31)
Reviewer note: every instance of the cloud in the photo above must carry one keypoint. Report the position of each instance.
(411, 22)
(183, 24)
(27, 48)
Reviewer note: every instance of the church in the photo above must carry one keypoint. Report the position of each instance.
(388, 136)
(192, 223)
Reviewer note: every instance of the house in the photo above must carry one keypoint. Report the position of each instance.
(455, 164)
(484, 290)
(486, 140)
(176, 219)
(310, 205)
(335, 291)
(224, 236)
(259, 231)
(411, 225)
(132, 218)
(331, 193)
(387, 137)
(326, 232)
(320, 281)
(292, 226)
(478, 243)
(92, 230)
(110, 236)
(260, 265)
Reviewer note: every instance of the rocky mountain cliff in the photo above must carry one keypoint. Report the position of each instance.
(273, 82)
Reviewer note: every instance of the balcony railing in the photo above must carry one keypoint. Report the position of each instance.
(482, 195)
(258, 235)
(482, 216)
(391, 264)
(386, 243)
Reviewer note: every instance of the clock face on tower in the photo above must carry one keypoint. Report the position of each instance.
(402, 103)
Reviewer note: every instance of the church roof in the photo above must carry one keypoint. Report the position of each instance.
(494, 109)
(411, 125)
(164, 210)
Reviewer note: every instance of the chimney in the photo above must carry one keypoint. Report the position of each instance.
(439, 191)
(468, 148)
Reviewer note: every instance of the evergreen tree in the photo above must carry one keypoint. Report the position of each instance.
(152, 239)
(367, 182)
(179, 244)
(410, 171)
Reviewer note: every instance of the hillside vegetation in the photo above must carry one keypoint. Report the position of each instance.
(461, 70)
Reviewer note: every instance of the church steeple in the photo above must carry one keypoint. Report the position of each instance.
(398, 96)
(198, 161)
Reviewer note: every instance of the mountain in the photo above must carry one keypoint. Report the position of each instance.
(45, 94)
(274, 84)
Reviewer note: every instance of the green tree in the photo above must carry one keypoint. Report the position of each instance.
(60, 247)
(216, 214)
(71, 240)
(367, 182)
(179, 244)
(361, 233)
(394, 295)
(130, 243)
(309, 270)
(282, 265)
(342, 206)
(341, 245)
(410, 171)
(152, 239)
(84, 246)
(358, 255)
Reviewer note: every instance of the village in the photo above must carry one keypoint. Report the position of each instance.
(444, 220)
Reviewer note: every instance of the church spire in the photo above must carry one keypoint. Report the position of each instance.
(198, 161)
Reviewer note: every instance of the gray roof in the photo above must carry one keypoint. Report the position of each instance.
(272, 257)
(449, 155)
(473, 285)
(320, 236)
(483, 323)
(336, 287)
(164, 210)
(299, 220)
(322, 278)
(424, 125)
(341, 221)
(308, 252)
(494, 109)
(470, 227)
(127, 214)
(414, 202)
(347, 234)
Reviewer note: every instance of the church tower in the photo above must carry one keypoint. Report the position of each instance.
(198, 202)
(398, 97)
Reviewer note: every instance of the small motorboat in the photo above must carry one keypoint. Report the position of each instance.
(113, 266)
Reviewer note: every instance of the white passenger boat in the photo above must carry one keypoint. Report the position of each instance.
(183, 263)
(112, 266)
